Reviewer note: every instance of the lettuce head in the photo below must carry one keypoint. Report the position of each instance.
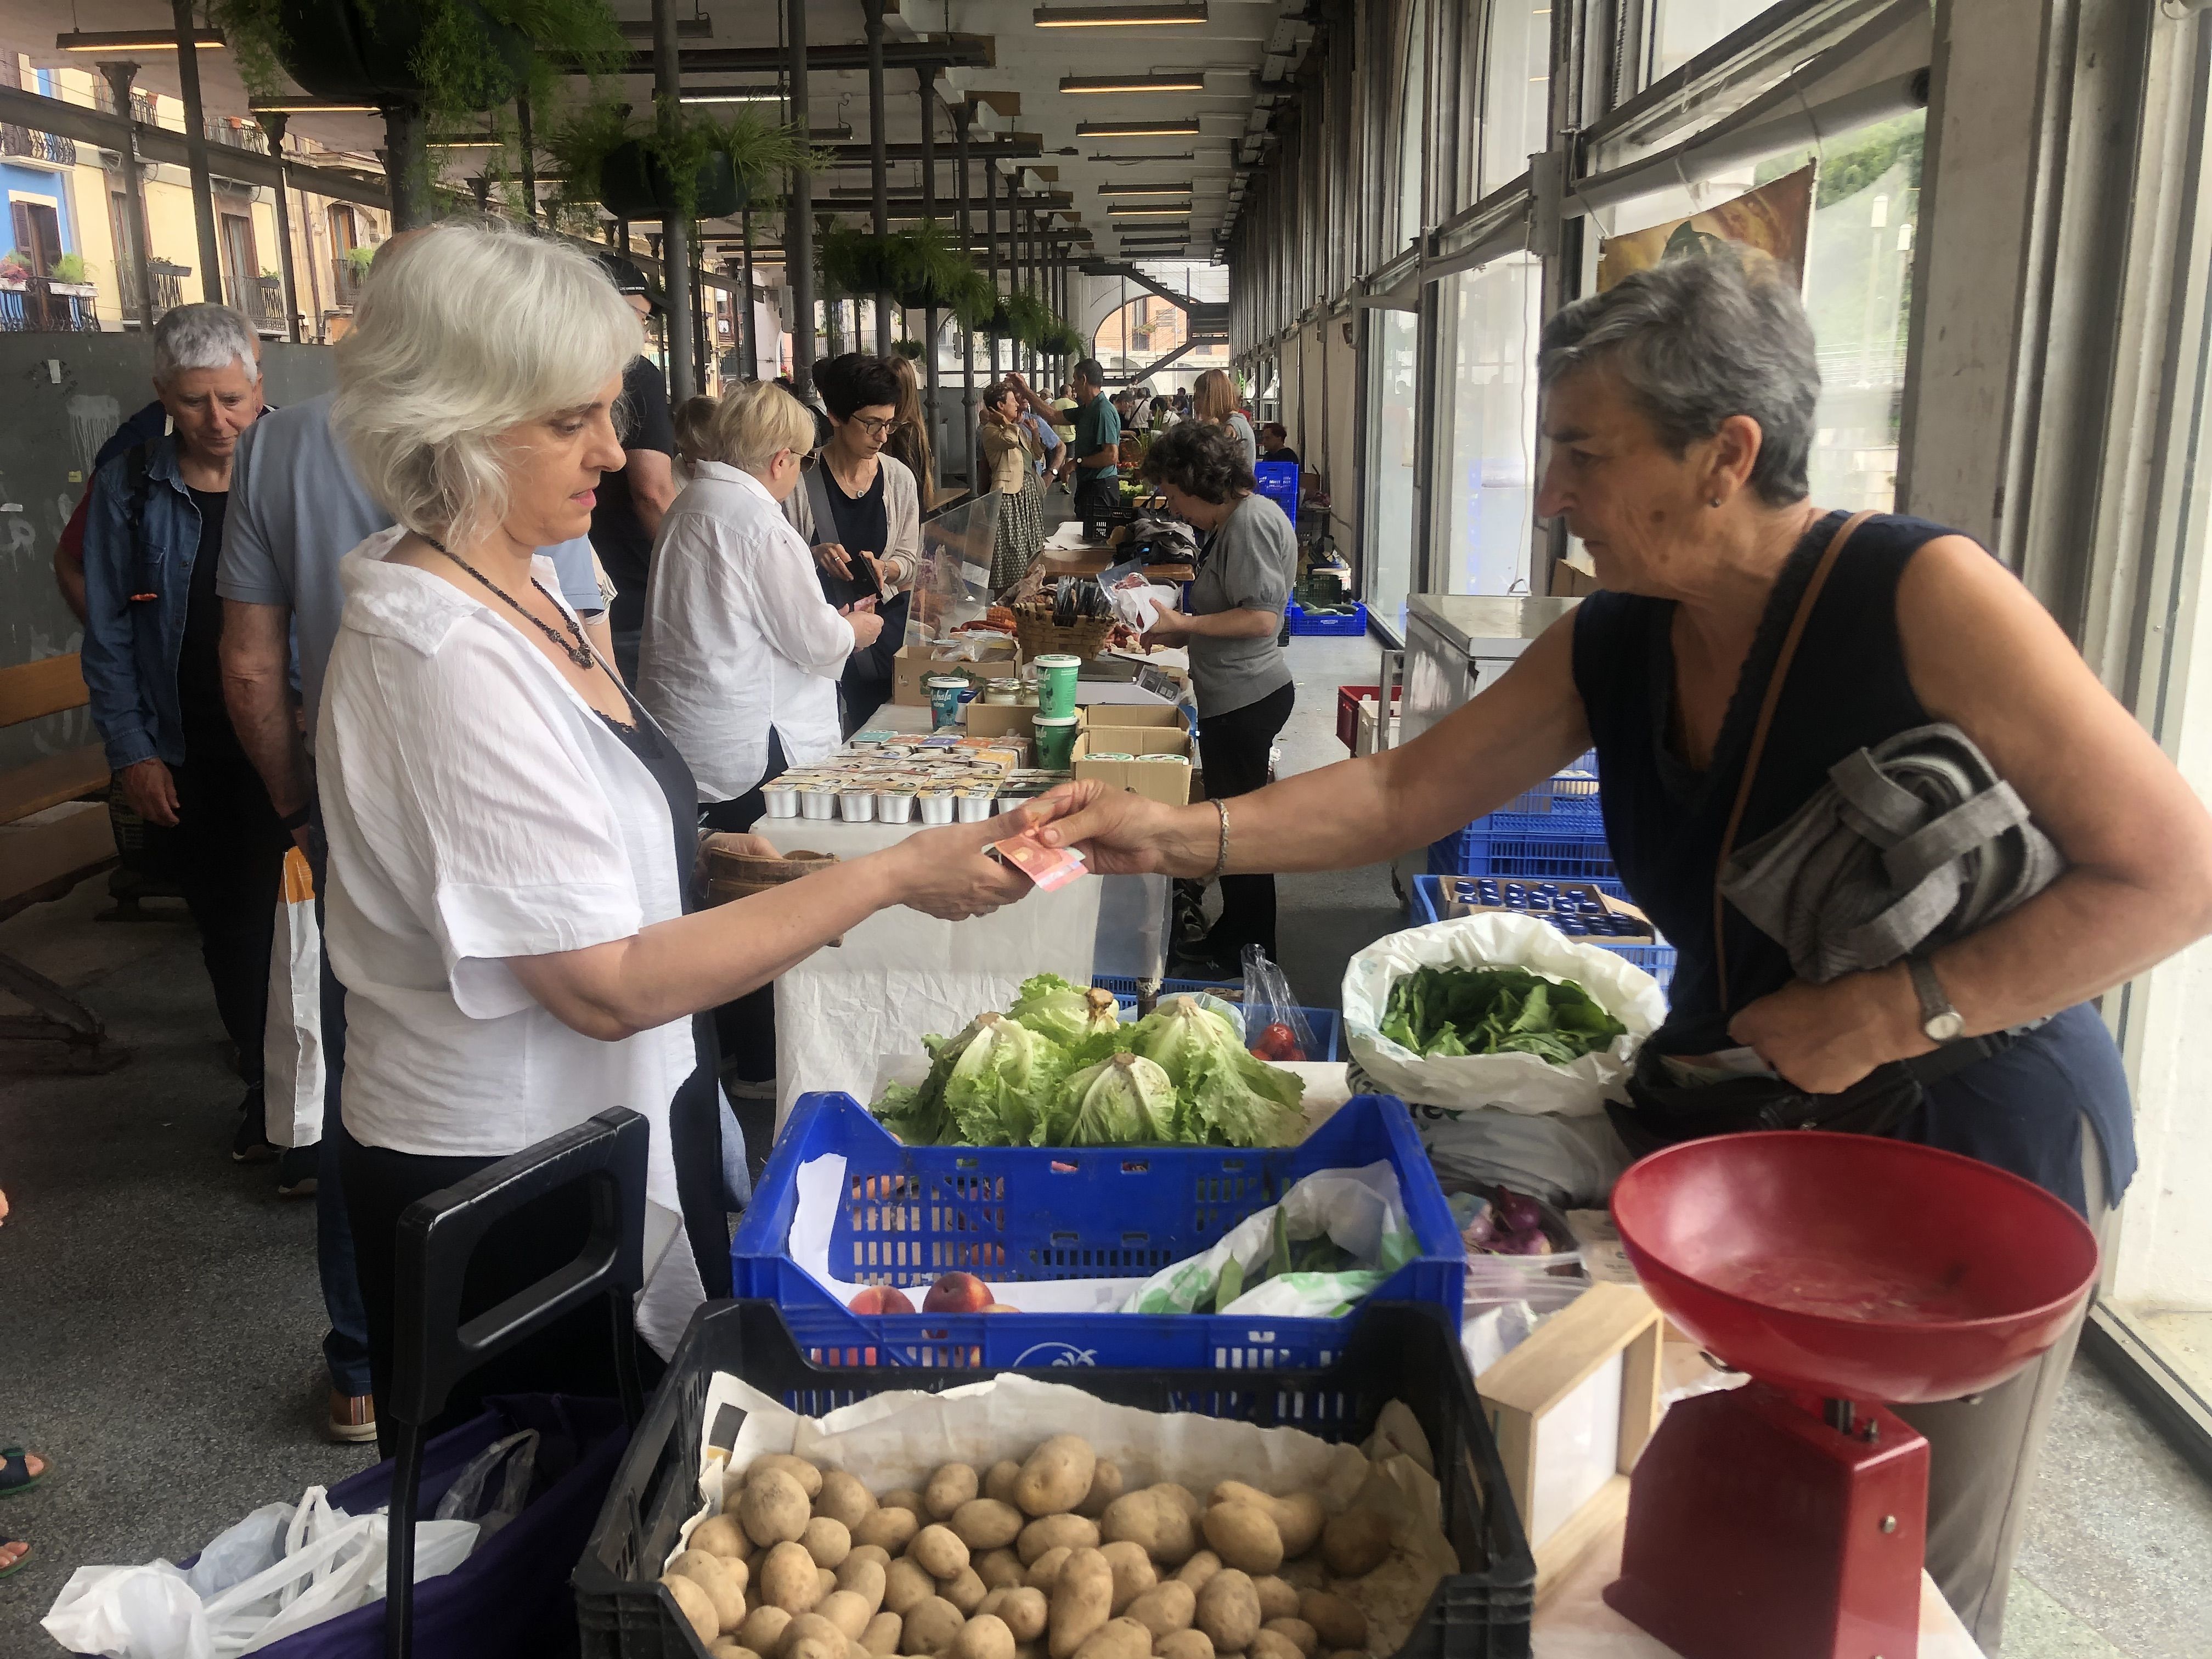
(1227, 1097)
(1082, 1019)
(1124, 1100)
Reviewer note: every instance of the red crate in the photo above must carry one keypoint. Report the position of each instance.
(1347, 707)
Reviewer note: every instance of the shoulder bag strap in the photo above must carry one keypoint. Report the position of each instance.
(1759, 731)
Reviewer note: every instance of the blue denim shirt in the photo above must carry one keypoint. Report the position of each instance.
(136, 593)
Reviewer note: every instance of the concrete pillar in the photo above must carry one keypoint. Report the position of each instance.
(878, 177)
(963, 113)
(798, 214)
(675, 231)
(991, 246)
(120, 77)
(273, 128)
(188, 88)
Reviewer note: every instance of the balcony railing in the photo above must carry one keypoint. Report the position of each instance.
(262, 301)
(346, 278)
(238, 134)
(37, 146)
(31, 305)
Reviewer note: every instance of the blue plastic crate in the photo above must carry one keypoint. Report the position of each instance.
(910, 1213)
(1555, 846)
(1657, 960)
(1279, 481)
(1352, 624)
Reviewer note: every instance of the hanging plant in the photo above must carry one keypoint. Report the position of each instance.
(924, 266)
(909, 349)
(634, 167)
(1062, 340)
(763, 154)
(851, 261)
(974, 301)
(1028, 318)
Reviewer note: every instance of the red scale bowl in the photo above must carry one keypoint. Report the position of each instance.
(1853, 1266)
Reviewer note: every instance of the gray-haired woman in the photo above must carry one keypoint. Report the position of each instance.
(1678, 410)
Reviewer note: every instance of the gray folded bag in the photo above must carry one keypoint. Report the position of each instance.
(1909, 845)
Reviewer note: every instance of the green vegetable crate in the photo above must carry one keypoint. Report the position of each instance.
(911, 1213)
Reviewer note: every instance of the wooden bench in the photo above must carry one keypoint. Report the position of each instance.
(54, 832)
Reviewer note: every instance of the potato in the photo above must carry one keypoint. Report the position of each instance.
(1044, 1571)
(984, 1637)
(695, 1604)
(824, 1581)
(1244, 1536)
(965, 1589)
(1133, 1572)
(999, 1479)
(729, 1647)
(721, 1534)
(1024, 1611)
(1184, 1497)
(862, 1576)
(881, 1637)
(1349, 1653)
(772, 1509)
(1228, 1611)
(952, 1486)
(938, 1552)
(1118, 1638)
(1052, 1532)
(828, 1541)
(906, 1584)
(846, 1610)
(1154, 1520)
(1337, 1622)
(788, 1580)
(985, 1523)
(1105, 1487)
(1297, 1630)
(1057, 1476)
(708, 1572)
(875, 1553)
(1165, 1609)
(843, 1498)
(1356, 1542)
(764, 1628)
(930, 1626)
(808, 1476)
(813, 1627)
(890, 1529)
(1185, 1644)
(1298, 1518)
(1082, 1601)
(1274, 1644)
(1201, 1567)
(815, 1645)
(999, 1569)
(900, 1498)
(1279, 1598)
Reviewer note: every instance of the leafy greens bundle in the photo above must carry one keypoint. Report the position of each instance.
(1497, 1010)
(1060, 1069)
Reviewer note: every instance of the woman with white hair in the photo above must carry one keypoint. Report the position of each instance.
(153, 631)
(512, 835)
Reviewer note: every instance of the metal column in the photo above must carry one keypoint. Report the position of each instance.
(799, 213)
(748, 324)
(880, 209)
(120, 77)
(991, 245)
(525, 144)
(927, 76)
(273, 128)
(675, 233)
(963, 113)
(188, 88)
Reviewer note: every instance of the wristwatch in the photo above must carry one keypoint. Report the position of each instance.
(1939, 1021)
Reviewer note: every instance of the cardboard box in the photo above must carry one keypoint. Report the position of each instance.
(996, 720)
(1163, 716)
(1150, 775)
(914, 665)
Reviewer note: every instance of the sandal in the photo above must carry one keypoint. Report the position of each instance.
(16, 1475)
(16, 1566)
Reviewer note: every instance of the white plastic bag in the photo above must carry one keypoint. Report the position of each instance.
(292, 1042)
(1567, 1160)
(1519, 1083)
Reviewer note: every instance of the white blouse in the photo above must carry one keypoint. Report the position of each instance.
(478, 808)
(739, 639)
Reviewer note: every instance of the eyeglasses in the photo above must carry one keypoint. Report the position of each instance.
(875, 429)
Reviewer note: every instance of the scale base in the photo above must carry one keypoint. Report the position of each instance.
(1757, 1531)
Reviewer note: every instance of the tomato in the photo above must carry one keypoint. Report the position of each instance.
(1278, 1042)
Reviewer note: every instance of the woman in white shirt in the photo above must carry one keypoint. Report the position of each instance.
(511, 834)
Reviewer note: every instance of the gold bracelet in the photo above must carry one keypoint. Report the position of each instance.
(1221, 858)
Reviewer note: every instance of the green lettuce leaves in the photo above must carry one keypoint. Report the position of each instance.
(1444, 1011)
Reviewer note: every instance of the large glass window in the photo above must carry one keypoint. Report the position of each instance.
(1486, 486)
(1393, 406)
(1412, 119)
(1681, 29)
(1516, 88)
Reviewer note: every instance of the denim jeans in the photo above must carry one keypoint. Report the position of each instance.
(345, 1345)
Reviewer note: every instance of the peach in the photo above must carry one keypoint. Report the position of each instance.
(880, 1299)
(958, 1293)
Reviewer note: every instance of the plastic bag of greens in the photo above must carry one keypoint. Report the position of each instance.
(1336, 1236)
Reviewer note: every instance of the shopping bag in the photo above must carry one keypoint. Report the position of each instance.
(292, 1042)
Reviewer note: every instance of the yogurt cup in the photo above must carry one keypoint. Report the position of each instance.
(781, 800)
(973, 805)
(1055, 682)
(857, 806)
(818, 801)
(935, 806)
(894, 806)
(946, 693)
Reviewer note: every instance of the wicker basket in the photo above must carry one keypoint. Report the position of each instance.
(1040, 636)
(732, 876)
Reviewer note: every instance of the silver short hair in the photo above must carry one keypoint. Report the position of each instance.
(1696, 339)
(467, 332)
(203, 336)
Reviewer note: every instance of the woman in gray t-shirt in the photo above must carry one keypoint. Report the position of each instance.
(1245, 570)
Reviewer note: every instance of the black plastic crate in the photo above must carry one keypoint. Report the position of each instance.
(1397, 1351)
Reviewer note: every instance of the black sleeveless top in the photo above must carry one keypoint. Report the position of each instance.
(1847, 690)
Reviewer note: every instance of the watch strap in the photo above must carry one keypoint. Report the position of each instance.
(1935, 1009)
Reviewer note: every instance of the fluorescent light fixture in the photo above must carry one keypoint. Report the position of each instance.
(1180, 81)
(1166, 127)
(309, 106)
(479, 141)
(732, 95)
(1122, 213)
(1103, 17)
(1144, 190)
(133, 41)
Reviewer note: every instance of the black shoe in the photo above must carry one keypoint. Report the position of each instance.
(296, 1171)
(250, 1143)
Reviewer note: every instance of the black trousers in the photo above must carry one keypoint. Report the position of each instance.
(745, 1029)
(229, 849)
(1234, 747)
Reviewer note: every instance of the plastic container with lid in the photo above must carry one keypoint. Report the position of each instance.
(781, 800)
(857, 806)
(818, 800)
(895, 805)
(935, 804)
(972, 802)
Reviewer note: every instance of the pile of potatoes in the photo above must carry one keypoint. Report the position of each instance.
(1048, 1558)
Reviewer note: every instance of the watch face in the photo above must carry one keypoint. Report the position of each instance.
(1942, 1027)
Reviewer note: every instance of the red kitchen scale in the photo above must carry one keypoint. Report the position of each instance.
(1786, 1519)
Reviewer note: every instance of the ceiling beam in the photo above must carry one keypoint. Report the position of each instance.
(942, 51)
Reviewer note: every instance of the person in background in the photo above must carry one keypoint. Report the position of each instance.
(909, 443)
(152, 661)
(692, 424)
(296, 508)
(632, 497)
(1213, 399)
(859, 509)
(19, 1471)
(1183, 403)
(1011, 451)
(1275, 443)
(513, 837)
(1246, 565)
(1040, 418)
(1093, 460)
